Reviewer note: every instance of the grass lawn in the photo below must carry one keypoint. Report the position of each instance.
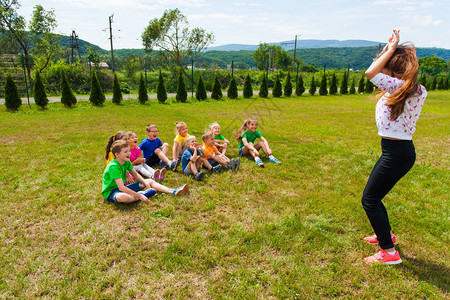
(289, 231)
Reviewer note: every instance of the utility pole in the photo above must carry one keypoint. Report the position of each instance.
(295, 47)
(111, 39)
(74, 44)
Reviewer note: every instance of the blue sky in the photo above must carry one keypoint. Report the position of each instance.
(425, 23)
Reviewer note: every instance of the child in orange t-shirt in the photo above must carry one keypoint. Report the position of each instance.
(213, 155)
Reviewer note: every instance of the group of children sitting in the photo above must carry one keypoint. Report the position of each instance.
(123, 178)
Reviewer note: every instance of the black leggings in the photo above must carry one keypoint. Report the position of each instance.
(397, 158)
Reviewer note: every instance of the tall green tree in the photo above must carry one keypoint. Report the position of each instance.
(423, 80)
(352, 90)
(161, 93)
(40, 97)
(333, 85)
(117, 93)
(344, 84)
(433, 84)
(277, 89)
(299, 87)
(232, 92)
(67, 96)
(143, 95)
(96, 97)
(248, 90)
(288, 85)
(432, 64)
(280, 59)
(171, 33)
(446, 83)
(217, 88)
(181, 88)
(263, 90)
(312, 87)
(369, 87)
(440, 85)
(323, 89)
(200, 93)
(361, 85)
(12, 98)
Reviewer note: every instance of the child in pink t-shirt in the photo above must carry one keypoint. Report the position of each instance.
(139, 162)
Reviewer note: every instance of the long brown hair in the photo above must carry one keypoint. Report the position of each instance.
(404, 65)
(244, 127)
(118, 136)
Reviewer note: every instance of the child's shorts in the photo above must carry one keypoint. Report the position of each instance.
(240, 151)
(152, 160)
(187, 170)
(137, 186)
(212, 162)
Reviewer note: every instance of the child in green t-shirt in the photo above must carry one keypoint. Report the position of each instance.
(247, 135)
(114, 190)
(220, 142)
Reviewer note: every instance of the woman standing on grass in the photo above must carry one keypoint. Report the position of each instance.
(394, 72)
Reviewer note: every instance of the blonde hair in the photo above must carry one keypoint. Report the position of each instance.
(189, 139)
(244, 127)
(211, 126)
(206, 135)
(178, 126)
(130, 133)
(404, 65)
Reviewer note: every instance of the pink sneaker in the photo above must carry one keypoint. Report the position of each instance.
(382, 257)
(162, 174)
(373, 239)
(157, 176)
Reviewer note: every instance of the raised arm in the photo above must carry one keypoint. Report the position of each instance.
(380, 62)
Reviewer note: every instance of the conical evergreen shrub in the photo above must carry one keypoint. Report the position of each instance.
(96, 97)
(433, 84)
(369, 87)
(288, 85)
(200, 93)
(12, 98)
(161, 93)
(217, 89)
(323, 90)
(423, 80)
(361, 85)
(312, 87)
(352, 87)
(333, 85)
(277, 89)
(248, 90)
(143, 96)
(232, 92)
(263, 91)
(440, 85)
(67, 96)
(299, 87)
(344, 84)
(40, 97)
(117, 93)
(181, 89)
(446, 83)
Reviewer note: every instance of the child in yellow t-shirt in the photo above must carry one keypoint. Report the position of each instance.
(179, 141)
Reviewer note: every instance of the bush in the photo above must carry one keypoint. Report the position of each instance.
(67, 96)
(217, 89)
(117, 93)
(299, 88)
(423, 80)
(248, 90)
(352, 87)
(344, 84)
(200, 93)
(369, 87)
(263, 91)
(143, 96)
(312, 87)
(161, 93)
(40, 97)
(433, 84)
(333, 85)
(232, 92)
(277, 89)
(181, 89)
(440, 85)
(288, 85)
(446, 83)
(96, 97)
(323, 90)
(12, 98)
(361, 85)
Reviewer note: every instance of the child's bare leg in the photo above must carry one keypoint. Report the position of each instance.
(193, 167)
(246, 151)
(262, 146)
(162, 156)
(223, 160)
(161, 188)
(224, 147)
(205, 163)
(125, 198)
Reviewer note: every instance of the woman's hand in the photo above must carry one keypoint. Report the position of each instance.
(393, 40)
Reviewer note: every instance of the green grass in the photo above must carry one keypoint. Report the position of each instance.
(289, 231)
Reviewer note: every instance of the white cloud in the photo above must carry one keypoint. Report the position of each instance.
(423, 20)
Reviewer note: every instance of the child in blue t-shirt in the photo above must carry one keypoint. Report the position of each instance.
(247, 135)
(114, 190)
(155, 152)
(193, 158)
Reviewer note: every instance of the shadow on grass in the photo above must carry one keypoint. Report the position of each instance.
(437, 275)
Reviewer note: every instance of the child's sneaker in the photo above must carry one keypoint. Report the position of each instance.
(181, 190)
(259, 162)
(157, 176)
(200, 176)
(382, 257)
(162, 173)
(148, 193)
(237, 163)
(374, 240)
(274, 160)
(215, 168)
(162, 164)
(231, 165)
(174, 164)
